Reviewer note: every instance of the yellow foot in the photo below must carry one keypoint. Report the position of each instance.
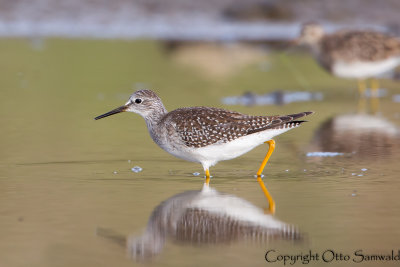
(207, 178)
(271, 202)
(268, 211)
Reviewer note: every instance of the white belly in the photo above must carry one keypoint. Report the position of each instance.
(210, 155)
(364, 69)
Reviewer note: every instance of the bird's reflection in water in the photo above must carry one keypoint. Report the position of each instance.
(207, 217)
(359, 135)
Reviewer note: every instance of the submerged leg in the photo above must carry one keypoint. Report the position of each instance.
(374, 96)
(207, 177)
(361, 95)
(271, 202)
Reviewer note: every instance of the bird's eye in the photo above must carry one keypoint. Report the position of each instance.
(138, 100)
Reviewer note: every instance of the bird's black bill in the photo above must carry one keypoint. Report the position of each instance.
(112, 112)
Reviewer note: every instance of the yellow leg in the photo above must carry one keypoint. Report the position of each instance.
(207, 177)
(374, 96)
(271, 202)
(271, 144)
(361, 93)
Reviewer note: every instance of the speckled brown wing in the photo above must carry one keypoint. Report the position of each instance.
(201, 126)
(359, 45)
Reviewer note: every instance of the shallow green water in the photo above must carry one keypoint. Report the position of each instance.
(64, 175)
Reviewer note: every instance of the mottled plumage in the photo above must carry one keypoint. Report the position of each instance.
(202, 134)
(352, 54)
(203, 126)
(359, 45)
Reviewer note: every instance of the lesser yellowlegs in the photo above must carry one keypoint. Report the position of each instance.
(208, 135)
(353, 54)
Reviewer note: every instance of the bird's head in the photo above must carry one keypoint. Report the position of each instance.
(143, 102)
(311, 33)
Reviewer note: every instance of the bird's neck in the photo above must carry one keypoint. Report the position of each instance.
(153, 121)
(153, 118)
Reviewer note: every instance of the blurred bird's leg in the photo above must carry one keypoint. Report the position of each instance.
(271, 202)
(361, 96)
(207, 183)
(374, 96)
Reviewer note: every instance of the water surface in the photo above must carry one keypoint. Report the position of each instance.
(63, 175)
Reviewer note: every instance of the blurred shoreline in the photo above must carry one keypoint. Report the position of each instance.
(214, 20)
